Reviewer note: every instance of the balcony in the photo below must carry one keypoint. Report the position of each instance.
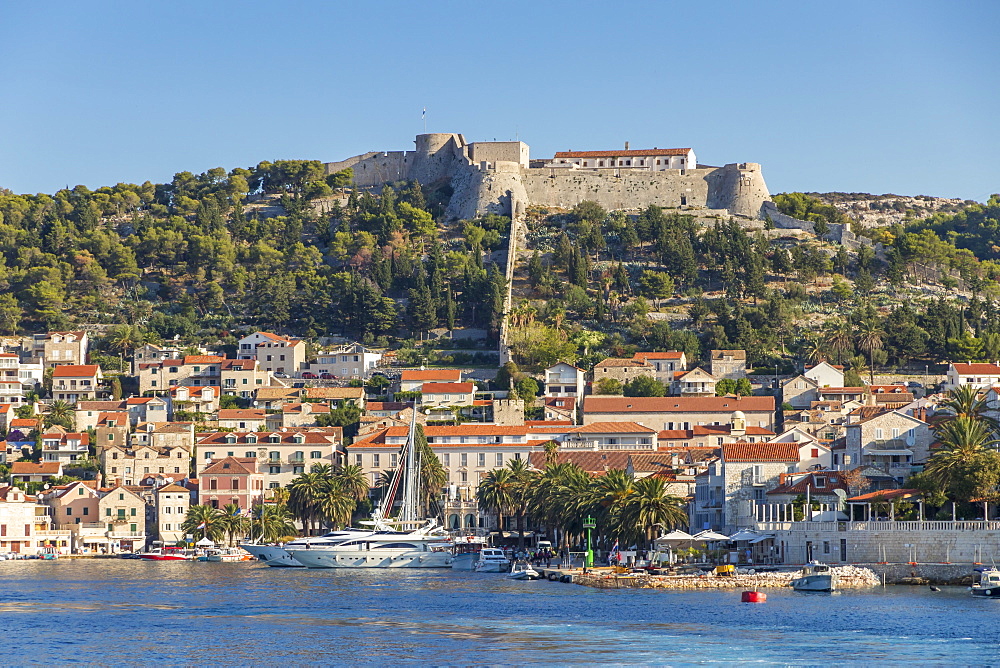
(126, 534)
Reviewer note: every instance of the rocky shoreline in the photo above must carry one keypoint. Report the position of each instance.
(850, 577)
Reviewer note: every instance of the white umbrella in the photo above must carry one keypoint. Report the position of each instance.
(709, 536)
(744, 534)
(205, 542)
(675, 536)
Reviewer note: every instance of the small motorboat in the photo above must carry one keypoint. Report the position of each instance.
(988, 585)
(522, 570)
(169, 554)
(816, 577)
(492, 560)
(225, 554)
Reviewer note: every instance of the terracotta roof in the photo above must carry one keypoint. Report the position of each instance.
(31, 468)
(676, 404)
(119, 419)
(671, 355)
(76, 370)
(263, 437)
(276, 393)
(977, 369)
(239, 365)
(760, 452)
(313, 408)
(431, 374)
(394, 406)
(620, 362)
(278, 338)
(842, 390)
(231, 466)
(611, 428)
(172, 487)
(195, 389)
(834, 480)
(99, 405)
(242, 414)
(450, 388)
(17, 423)
(887, 494)
(623, 153)
(203, 359)
(334, 392)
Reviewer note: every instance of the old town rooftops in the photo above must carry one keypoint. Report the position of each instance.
(445, 375)
(607, 404)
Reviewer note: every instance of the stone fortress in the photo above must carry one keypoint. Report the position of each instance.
(501, 178)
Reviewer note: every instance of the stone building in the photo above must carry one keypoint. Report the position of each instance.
(172, 504)
(277, 354)
(65, 348)
(730, 364)
(76, 382)
(892, 442)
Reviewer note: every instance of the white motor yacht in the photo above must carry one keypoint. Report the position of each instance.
(416, 544)
(277, 556)
(492, 560)
(426, 547)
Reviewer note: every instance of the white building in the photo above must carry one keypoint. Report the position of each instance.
(650, 159)
(826, 374)
(981, 375)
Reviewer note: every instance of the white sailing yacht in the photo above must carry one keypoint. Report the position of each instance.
(407, 542)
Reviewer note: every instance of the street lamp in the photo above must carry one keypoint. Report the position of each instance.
(589, 523)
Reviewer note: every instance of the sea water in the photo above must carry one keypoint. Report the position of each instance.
(134, 612)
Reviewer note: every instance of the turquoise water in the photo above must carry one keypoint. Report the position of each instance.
(132, 612)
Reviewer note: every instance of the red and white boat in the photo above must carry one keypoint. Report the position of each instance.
(168, 554)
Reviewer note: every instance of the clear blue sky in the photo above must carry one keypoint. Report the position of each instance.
(865, 96)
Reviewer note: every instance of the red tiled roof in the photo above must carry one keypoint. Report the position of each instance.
(231, 466)
(203, 359)
(620, 362)
(195, 389)
(119, 419)
(623, 153)
(452, 388)
(977, 369)
(611, 428)
(76, 370)
(676, 404)
(887, 494)
(32, 468)
(431, 374)
(395, 406)
(17, 423)
(242, 414)
(671, 355)
(760, 452)
(239, 365)
(263, 437)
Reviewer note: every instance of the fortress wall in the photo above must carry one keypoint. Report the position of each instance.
(437, 156)
(616, 189)
(373, 169)
(479, 190)
(739, 188)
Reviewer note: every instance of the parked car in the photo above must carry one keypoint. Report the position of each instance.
(310, 375)
(278, 374)
(327, 376)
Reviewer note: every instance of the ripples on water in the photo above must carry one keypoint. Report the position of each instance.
(133, 612)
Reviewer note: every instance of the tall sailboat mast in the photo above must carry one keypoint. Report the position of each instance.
(411, 493)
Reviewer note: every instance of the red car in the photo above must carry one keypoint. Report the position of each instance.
(327, 376)
(309, 375)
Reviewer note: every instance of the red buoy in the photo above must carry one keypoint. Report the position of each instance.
(754, 597)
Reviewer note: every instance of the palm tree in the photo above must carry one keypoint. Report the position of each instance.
(275, 522)
(839, 338)
(353, 481)
(496, 493)
(524, 480)
(232, 522)
(433, 477)
(966, 401)
(61, 413)
(304, 493)
(813, 350)
(335, 504)
(869, 340)
(963, 441)
(611, 492)
(124, 339)
(649, 505)
(206, 519)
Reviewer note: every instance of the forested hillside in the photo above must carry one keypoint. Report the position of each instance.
(195, 256)
(282, 246)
